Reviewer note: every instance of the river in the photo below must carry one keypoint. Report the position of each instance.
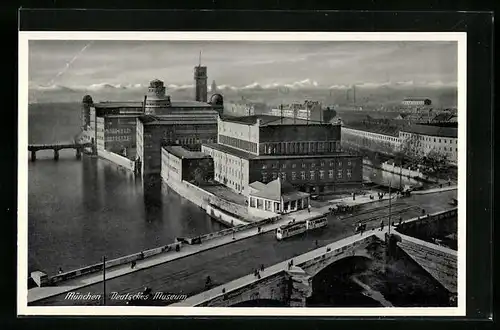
(81, 210)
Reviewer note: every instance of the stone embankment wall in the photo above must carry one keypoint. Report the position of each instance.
(117, 159)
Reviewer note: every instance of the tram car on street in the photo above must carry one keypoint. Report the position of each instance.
(317, 222)
(292, 228)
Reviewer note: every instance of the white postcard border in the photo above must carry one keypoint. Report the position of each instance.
(24, 37)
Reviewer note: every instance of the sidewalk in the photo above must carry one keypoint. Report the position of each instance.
(434, 190)
(39, 293)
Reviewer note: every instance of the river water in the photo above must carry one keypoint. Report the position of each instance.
(81, 210)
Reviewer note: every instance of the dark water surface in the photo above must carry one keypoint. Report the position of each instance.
(80, 210)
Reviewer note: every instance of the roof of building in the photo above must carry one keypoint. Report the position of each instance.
(277, 189)
(447, 117)
(126, 104)
(190, 104)
(182, 153)
(269, 120)
(171, 119)
(247, 155)
(374, 128)
(431, 130)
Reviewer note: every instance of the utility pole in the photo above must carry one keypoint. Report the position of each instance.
(104, 280)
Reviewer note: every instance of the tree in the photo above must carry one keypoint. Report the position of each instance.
(411, 147)
(436, 161)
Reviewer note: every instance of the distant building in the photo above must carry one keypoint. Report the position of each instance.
(412, 102)
(213, 88)
(428, 138)
(262, 148)
(245, 108)
(309, 110)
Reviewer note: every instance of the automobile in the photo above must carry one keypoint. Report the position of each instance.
(314, 197)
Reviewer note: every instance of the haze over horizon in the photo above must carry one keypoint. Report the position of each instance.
(74, 63)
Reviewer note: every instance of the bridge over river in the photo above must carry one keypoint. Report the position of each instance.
(186, 271)
(56, 147)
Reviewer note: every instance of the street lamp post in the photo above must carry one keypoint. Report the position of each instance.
(104, 280)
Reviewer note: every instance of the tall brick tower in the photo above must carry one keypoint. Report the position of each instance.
(200, 80)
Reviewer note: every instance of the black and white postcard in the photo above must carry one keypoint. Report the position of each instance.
(217, 173)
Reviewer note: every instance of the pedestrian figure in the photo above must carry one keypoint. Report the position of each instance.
(381, 225)
(258, 275)
(316, 243)
(309, 208)
(60, 270)
(291, 262)
(141, 255)
(400, 220)
(223, 290)
(262, 267)
(440, 185)
(255, 272)
(132, 265)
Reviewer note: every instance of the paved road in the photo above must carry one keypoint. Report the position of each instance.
(226, 263)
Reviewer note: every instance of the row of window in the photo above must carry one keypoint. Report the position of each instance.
(238, 143)
(430, 139)
(376, 136)
(300, 147)
(304, 175)
(118, 130)
(118, 138)
(304, 165)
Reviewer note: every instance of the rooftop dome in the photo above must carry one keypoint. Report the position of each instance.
(87, 99)
(156, 83)
(217, 99)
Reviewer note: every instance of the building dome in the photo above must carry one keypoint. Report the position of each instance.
(156, 83)
(217, 99)
(87, 99)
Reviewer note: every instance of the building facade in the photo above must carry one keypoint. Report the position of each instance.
(428, 139)
(114, 126)
(180, 164)
(262, 148)
(380, 140)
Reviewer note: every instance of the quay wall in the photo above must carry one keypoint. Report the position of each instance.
(117, 159)
(203, 199)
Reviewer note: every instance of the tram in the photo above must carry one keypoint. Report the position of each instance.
(295, 228)
(291, 229)
(317, 222)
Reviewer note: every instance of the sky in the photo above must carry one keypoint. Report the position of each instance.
(83, 64)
